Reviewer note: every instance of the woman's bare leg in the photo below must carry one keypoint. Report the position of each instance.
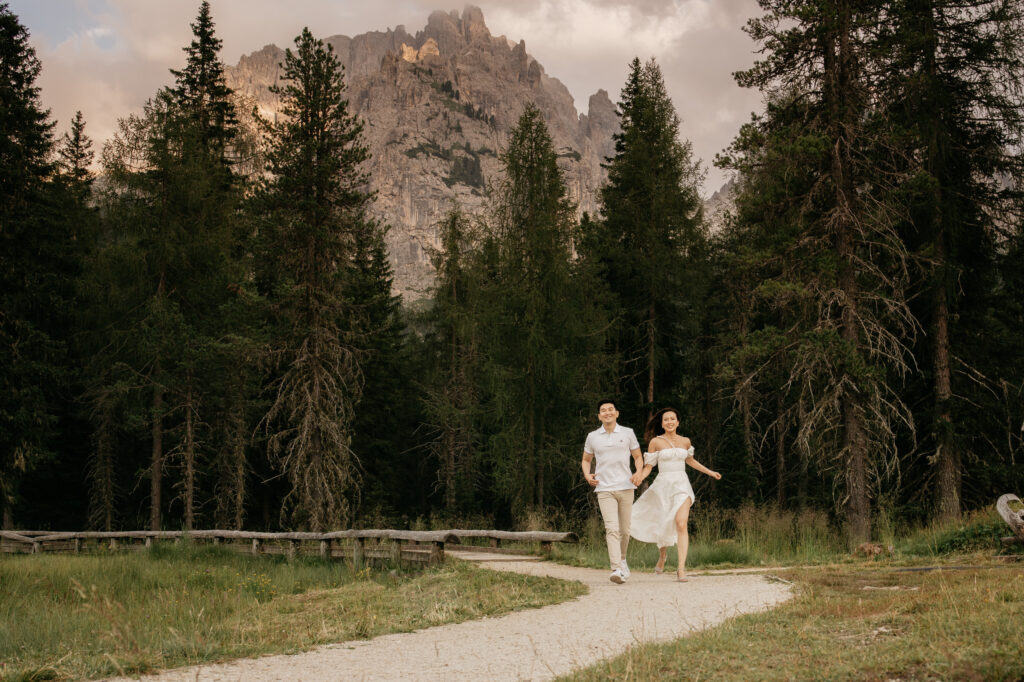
(683, 536)
(662, 555)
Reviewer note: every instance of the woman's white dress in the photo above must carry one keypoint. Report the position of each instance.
(654, 512)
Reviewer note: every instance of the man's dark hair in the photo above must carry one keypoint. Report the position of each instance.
(606, 401)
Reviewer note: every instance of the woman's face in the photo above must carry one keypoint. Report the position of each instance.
(669, 421)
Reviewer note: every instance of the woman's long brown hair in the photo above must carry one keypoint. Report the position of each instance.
(654, 424)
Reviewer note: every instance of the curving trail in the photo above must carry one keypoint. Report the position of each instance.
(533, 644)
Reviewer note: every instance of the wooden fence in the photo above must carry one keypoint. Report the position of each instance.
(359, 546)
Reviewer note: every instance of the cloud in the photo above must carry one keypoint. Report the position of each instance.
(109, 56)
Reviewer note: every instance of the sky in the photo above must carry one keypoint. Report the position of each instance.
(107, 57)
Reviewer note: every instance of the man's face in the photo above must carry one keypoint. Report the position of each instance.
(608, 414)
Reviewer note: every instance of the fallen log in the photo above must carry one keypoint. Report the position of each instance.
(1014, 517)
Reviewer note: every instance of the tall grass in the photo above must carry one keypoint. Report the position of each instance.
(978, 531)
(66, 616)
(745, 536)
(766, 536)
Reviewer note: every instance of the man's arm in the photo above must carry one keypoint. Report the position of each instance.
(585, 464)
(641, 470)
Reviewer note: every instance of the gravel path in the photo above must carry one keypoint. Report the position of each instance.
(533, 644)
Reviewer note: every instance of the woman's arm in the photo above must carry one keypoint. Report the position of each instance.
(700, 467)
(641, 474)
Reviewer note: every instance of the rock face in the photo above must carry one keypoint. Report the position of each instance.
(438, 107)
(719, 206)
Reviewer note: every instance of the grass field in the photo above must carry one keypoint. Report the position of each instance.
(72, 617)
(856, 622)
(890, 617)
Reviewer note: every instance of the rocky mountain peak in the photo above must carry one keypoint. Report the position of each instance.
(438, 107)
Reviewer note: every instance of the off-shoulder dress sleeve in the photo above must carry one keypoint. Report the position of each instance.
(650, 458)
(689, 452)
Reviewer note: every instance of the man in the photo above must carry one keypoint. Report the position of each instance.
(611, 445)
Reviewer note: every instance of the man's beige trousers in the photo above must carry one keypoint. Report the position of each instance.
(616, 510)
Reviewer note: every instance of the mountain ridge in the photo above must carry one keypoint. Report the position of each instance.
(437, 108)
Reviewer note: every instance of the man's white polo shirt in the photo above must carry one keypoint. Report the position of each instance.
(612, 451)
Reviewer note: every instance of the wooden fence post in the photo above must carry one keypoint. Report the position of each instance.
(359, 553)
(436, 552)
(494, 542)
(396, 553)
(255, 545)
(78, 545)
(325, 549)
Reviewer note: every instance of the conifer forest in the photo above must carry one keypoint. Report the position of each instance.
(198, 328)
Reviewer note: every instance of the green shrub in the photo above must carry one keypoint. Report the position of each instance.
(979, 532)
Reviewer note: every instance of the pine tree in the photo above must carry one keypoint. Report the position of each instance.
(763, 279)
(314, 207)
(652, 213)
(75, 157)
(945, 89)
(540, 336)
(387, 415)
(201, 91)
(173, 264)
(31, 300)
(848, 258)
(452, 402)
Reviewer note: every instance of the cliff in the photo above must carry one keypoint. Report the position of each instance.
(438, 107)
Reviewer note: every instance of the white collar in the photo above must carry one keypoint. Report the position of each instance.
(601, 429)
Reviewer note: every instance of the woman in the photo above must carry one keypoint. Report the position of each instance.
(660, 515)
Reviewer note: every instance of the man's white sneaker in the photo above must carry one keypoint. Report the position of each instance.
(617, 577)
(625, 570)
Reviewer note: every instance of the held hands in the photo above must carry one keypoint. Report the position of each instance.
(637, 478)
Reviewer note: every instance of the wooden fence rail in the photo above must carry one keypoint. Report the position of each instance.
(423, 546)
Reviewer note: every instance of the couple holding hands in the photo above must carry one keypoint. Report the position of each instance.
(660, 515)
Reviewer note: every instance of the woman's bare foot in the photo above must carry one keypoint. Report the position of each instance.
(659, 567)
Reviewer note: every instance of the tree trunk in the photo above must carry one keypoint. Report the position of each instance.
(746, 409)
(748, 429)
(947, 456)
(190, 458)
(839, 64)
(804, 454)
(8, 518)
(449, 441)
(238, 461)
(157, 458)
(448, 466)
(651, 337)
(540, 468)
(858, 510)
(780, 453)
(102, 470)
(530, 475)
